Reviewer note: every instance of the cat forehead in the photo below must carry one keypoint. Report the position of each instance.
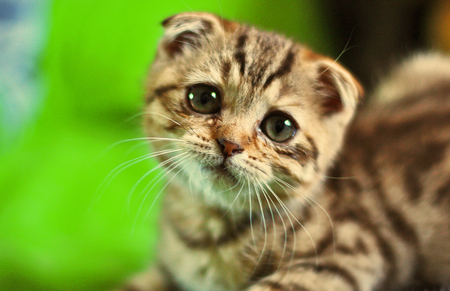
(255, 54)
(249, 64)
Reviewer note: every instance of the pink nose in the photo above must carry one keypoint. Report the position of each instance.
(229, 148)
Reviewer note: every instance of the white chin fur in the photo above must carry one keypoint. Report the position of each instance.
(206, 184)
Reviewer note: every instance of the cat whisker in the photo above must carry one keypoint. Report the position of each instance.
(135, 147)
(263, 218)
(338, 178)
(299, 223)
(276, 178)
(162, 174)
(285, 185)
(198, 18)
(272, 215)
(251, 214)
(221, 15)
(187, 6)
(172, 120)
(148, 139)
(190, 127)
(155, 138)
(170, 169)
(344, 50)
(190, 185)
(229, 189)
(243, 202)
(133, 117)
(235, 199)
(284, 226)
(164, 187)
(309, 199)
(289, 215)
(117, 170)
(199, 21)
(146, 175)
(284, 207)
(170, 144)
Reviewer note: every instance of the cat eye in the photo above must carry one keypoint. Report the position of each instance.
(278, 127)
(204, 99)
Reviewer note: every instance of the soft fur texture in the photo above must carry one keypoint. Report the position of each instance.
(244, 212)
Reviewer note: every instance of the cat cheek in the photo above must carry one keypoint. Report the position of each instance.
(283, 170)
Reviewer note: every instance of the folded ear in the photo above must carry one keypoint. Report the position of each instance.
(187, 31)
(338, 89)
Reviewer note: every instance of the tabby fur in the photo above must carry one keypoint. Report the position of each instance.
(316, 212)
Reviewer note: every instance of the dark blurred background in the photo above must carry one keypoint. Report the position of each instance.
(72, 213)
(380, 33)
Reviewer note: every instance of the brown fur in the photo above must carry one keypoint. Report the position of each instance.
(286, 215)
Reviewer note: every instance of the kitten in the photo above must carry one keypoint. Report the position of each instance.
(256, 200)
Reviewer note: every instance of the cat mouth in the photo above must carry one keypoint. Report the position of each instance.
(221, 171)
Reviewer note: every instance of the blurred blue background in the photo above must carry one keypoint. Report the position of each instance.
(71, 86)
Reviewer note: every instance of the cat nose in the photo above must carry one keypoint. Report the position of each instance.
(229, 148)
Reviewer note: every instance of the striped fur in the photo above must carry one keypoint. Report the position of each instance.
(292, 215)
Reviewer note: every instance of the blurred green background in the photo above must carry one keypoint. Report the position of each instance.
(69, 219)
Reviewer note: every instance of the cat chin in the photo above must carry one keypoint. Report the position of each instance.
(218, 187)
(216, 181)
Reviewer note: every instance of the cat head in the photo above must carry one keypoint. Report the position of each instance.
(248, 113)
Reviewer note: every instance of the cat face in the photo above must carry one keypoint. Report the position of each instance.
(250, 114)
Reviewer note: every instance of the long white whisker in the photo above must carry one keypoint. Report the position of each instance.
(150, 139)
(263, 217)
(344, 50)
(133, 117)
(339, 178)
(162, 189)
(162, 164)
(302, 226)
(173, 120)
(251, 214)
(221, 15)
(190, 127)
(309, 199)
(235, 198)
(117, 170)
(288, 215)
(170, 169)
(168, 118)
(152, 184)
(272, 215)
(135, 147)
(229, 189)
(284, 227)
(278, 181)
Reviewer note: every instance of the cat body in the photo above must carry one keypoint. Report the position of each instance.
(258, 197)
